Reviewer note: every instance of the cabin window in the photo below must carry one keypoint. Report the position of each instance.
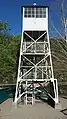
(35, 12)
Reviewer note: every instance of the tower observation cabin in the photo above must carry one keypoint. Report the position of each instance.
(35, 77)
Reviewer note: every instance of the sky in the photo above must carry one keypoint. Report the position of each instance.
(10, 11)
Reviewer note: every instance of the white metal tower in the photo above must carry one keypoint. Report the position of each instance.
(35, 63)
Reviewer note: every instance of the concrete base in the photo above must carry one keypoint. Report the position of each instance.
(58, 106)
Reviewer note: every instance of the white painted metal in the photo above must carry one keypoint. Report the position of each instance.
(35, 24)
(29, 50)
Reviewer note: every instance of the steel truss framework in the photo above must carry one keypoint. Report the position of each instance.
(35, 67)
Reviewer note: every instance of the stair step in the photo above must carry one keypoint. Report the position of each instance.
(29, 97)
(29, 101)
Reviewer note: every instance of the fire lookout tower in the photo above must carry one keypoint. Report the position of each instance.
(35, 70)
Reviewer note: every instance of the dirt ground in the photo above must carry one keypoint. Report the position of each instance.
(39, 110)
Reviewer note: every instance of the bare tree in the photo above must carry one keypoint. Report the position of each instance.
(60, 8)
(62, 4)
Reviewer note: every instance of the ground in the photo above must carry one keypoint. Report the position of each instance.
(40, 110)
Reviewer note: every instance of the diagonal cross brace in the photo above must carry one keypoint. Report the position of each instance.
(34, 65)
(34, 41)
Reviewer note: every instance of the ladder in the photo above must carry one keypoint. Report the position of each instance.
(29, 95)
